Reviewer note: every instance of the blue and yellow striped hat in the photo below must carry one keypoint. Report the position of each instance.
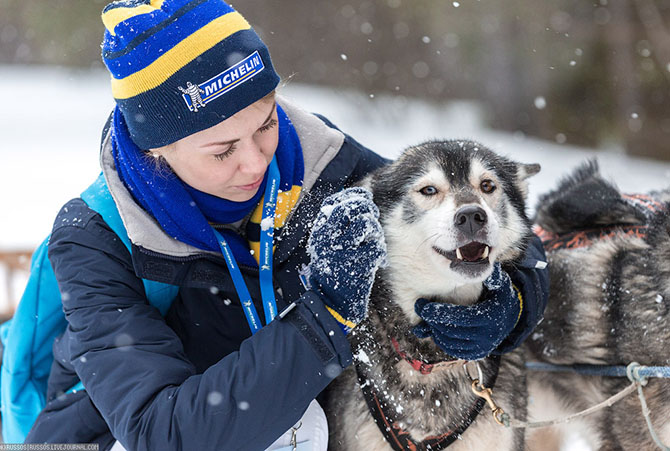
(181, 66)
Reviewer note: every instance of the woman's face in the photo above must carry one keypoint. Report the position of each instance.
(228, 160)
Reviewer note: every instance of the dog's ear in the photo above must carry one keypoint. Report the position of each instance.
(525, 171)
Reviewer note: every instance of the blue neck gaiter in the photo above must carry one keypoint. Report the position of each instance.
(184, 212)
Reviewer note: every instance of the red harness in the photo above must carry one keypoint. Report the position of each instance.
(644, 202)
(421, 366)
(584, 238)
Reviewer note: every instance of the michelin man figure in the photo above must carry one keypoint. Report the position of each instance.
(194, 92)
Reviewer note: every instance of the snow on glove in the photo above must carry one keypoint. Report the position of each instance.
(472, 332)
(346, 247)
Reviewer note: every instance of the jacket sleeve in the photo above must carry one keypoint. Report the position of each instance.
(531, 277)
(136, 373)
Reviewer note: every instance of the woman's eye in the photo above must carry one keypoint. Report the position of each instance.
(488, 186)
(223, 155)
(428, 191)
(268, 126)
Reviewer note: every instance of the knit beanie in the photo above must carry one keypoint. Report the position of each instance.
(182, 66)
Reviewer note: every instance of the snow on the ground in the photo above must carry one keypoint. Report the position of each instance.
(51, 118)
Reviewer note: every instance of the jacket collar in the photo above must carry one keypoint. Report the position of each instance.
(320, 145)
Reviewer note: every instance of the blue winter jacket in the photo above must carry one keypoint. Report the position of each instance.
(195, 379)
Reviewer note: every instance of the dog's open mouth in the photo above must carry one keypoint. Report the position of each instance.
(473, 253)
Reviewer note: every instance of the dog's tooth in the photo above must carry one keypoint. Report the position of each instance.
(458, 254)
(486, 252)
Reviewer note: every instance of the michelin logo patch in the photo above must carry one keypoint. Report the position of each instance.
(198, 96)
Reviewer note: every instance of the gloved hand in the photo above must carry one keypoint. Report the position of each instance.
(531, 277)
(472, 332)
(346, 247)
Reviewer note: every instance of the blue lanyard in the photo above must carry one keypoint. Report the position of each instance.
(265, 259)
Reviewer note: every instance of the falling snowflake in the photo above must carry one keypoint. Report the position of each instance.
(123, 342)
(243, 405)
(214, 398)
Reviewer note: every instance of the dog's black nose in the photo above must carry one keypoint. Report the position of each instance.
(471, 219)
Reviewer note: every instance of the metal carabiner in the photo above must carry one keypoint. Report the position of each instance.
(480, 376)
(484, 392)
(294, 436)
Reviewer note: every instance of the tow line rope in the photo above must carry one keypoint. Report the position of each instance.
(636, 373)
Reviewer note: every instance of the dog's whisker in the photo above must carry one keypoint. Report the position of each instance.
(435, 235)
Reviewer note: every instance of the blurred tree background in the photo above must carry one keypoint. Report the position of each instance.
(586, 72)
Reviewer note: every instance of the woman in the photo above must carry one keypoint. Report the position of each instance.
(200, 155)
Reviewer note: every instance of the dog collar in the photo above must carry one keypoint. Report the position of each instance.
(419, 365)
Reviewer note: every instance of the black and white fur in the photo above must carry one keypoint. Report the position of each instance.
(609, 305)
(423, 233)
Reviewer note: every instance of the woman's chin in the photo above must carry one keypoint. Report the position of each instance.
(238, 195)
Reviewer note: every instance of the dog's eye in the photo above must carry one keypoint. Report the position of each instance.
(428, 191)
(488, 186)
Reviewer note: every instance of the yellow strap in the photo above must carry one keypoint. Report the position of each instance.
(340, 319)
(518, 294)
(286, 200)
(179, 56)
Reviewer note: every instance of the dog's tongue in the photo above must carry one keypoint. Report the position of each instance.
(473, 251)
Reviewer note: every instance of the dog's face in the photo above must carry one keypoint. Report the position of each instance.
(450, 210)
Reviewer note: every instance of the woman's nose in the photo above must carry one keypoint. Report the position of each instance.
(253, 160)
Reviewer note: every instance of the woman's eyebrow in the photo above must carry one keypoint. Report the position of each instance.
(233, 141)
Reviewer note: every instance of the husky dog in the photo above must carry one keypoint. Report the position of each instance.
(609, 259)
(422, 397)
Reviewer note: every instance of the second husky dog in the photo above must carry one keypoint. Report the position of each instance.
(405, 388)
(609, 260)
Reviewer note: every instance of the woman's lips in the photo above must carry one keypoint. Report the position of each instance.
(251, 186)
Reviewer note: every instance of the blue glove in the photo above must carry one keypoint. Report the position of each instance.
(472, 332)
(346, 248)
(531, 277)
